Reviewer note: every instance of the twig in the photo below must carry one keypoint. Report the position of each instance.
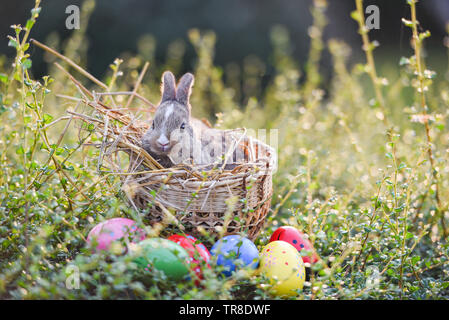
(70, 62)
(78, 84)
(136, 86)
(143, 99)
(368, 48)
(417, 41)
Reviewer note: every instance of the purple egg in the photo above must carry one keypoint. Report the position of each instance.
(106, 232)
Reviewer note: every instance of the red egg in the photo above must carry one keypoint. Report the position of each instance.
(197, 252)
(296, 239)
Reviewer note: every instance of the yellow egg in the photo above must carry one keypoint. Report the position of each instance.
(282, 264)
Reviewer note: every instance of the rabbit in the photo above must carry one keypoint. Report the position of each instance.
(174, 136)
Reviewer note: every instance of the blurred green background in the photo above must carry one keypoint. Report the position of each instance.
(242, 27)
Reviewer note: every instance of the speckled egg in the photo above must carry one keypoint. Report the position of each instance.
(282, 264)
(163, 255)
(105, 233)
(234, 252)
(296, 239)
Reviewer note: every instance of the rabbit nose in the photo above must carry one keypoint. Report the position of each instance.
(163, 141)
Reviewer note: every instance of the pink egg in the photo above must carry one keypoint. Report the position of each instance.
(106, 232)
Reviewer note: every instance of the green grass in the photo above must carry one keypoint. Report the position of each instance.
(363, 169)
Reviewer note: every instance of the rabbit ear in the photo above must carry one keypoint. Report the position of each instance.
(184, 89)
(168, 86)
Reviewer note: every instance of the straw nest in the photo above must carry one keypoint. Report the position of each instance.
(222, 199)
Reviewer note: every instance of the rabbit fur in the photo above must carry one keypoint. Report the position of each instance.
(177, 138)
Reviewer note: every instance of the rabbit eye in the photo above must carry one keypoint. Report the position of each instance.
(152, 125)
(183, 125)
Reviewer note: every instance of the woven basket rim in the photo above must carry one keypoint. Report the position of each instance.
(262, 166)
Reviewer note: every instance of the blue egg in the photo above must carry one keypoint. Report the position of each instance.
(234, 252)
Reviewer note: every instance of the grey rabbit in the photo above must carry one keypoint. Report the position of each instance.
(175, 137)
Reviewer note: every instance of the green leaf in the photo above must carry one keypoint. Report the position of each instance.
(355, 15)
(415, 259)
(2, 106)
(26, 64)
(28, 83)
(12, 43)
(404, 61)
(3, 78)
(44, 147)
(402, 166)
(26, 119)
(20, 150)
(59, 151)
(424, 35)
(31, 106)
(91, 127)
(47, 118)
(30, 23)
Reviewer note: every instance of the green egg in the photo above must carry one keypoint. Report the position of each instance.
(163, 255)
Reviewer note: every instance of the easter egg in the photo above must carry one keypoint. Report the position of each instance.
(282, 264)
(105, 233)
(197, 251)
(234, 252)
(161, 254)
(296, 239)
